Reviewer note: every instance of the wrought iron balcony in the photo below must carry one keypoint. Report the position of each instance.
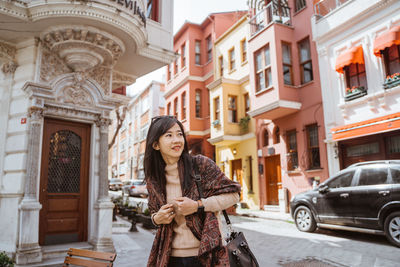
(276, 11)
(324, 7)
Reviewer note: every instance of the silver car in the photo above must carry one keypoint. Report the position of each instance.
(135, 188)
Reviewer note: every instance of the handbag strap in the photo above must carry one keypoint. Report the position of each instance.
(197, 179)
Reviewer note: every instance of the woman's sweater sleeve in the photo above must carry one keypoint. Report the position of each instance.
(220, 202)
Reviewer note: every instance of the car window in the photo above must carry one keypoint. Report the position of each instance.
(395, 171)
(373, 176)
(343, 180)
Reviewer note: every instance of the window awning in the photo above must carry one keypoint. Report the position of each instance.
(387, 39)
(351, 56)
(373, 126)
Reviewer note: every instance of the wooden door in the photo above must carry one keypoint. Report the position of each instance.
(273, 179)
(64, 182)
(237, 173)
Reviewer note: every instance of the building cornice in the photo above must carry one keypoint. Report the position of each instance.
(198, 133)
(275, 105)
(223, 80)
(235, 138)
(187, 79)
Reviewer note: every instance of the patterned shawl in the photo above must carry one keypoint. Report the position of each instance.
(211, 250)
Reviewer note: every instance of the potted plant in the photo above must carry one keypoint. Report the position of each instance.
(355, 92)
(392, 81)
(216, 123)
(5, 260)
(145, 219)
(244, 124)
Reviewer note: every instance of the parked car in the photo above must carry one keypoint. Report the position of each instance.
(135, 188)
(364, 197)
(115, 184)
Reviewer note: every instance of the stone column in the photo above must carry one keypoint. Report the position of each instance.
(28, 250)
(102, 239)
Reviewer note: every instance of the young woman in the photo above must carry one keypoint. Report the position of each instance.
(189, 228)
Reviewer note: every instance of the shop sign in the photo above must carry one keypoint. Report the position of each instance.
(133, 7)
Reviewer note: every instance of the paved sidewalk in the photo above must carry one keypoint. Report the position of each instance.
(133, 248)
(270, 215)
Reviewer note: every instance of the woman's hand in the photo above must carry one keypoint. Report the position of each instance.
(165, 215)
(185, 206)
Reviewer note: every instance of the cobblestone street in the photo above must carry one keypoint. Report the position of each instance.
(278, 243)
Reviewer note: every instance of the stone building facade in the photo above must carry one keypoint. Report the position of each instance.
(60, 62)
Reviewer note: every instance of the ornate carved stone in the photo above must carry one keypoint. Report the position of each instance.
(83, 48)
(76, 96)
(7, 51)
(9, 67)
(52, 66)
(121, 79)
(103, 124)
(35, 114)
(102, 76)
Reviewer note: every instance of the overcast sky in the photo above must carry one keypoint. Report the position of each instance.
(194, 11)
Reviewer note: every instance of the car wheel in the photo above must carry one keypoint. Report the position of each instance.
(392, 228)
(304, 219)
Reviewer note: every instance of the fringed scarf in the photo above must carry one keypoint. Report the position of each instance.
(211, 250)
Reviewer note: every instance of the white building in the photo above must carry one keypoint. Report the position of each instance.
(61, 61)
(358, 45)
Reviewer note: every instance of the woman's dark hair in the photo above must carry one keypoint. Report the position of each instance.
(154, 164)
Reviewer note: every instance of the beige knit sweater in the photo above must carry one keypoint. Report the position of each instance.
(184, 243)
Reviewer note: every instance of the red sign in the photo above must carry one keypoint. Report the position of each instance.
(23, 120)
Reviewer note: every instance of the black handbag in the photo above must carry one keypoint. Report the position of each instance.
(238, 249)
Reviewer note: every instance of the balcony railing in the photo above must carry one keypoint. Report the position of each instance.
(274, 12)
(324, 7)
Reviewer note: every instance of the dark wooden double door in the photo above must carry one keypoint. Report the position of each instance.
(64, 182)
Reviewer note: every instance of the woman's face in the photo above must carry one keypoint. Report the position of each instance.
(171, 144)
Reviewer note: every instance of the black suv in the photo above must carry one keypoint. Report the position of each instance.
(364, 197)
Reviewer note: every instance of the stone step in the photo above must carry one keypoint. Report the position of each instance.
(273, 208)
(53, 262)
(60, 251)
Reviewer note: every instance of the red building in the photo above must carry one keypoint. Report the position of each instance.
(186, 94)
(287, 100)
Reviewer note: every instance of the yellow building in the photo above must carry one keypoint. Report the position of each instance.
(232, 130)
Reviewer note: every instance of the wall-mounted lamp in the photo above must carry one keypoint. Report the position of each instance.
(234, 151)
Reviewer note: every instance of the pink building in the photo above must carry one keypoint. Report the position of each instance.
(186, 94)
(287, 100)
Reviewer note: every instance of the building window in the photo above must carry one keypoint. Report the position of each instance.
(263, 69)
(152, 10)
(176, 65)
(287, 64)
(168, 72)
(209, 48)
(292, 158)
(198, 52)
(169, 109)
(305, 61)
(299, 4)
(313, 147)
(246, 102)
(277, 135)
(183, 104)
(231, 54)
(198, 103)
(232, 109)
(221, 65)
(143, 131)
(216, 108)
(176, 107)
(243, 48)
(183, 56)
(265, 138)
(355, 76)
(391, 57)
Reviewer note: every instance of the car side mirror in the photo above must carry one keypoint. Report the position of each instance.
(323, 189)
